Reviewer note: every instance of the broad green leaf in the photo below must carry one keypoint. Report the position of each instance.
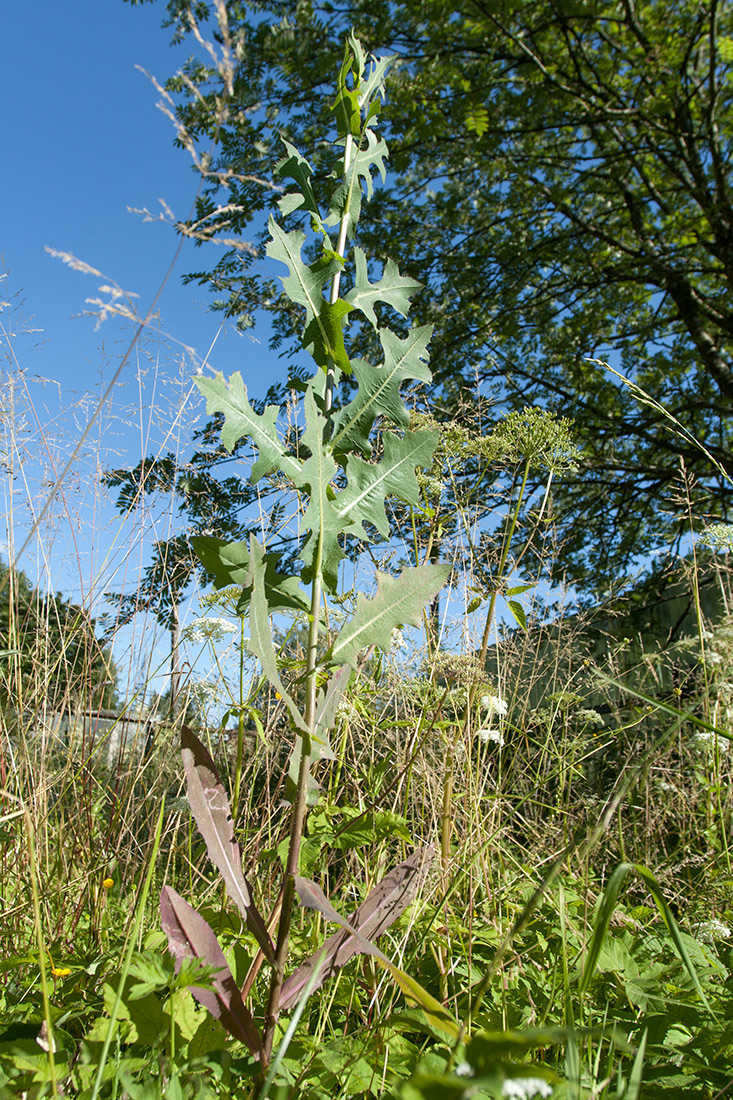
(393, 289)
(398, 600)
(229, 564)
(437, 1015)
(394, 475)
(305, 285)
(242, 422)
(603, 920)
(518, 612)
(260, 634)
(405, 360)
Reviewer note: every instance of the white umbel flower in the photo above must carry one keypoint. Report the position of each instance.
(708, 931)
(210, 628)
(492, 735)
(494, 704)
(524, 1088)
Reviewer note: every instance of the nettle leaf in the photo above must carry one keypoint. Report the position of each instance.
(393, 289)
(212, 813)
(229, 564)
(305, 286)
(398, 600)
(369, 483)
(260, 633)
(242, 422)
(190, 937)
(405, 360)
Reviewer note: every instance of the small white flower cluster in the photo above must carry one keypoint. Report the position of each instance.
(708, 931)
(590, 717)
(494, 704)
(524, 1088)
(495, 707)
(494, 735)
(208, 629)
(398, 641)
(205, 691)
(707, 741)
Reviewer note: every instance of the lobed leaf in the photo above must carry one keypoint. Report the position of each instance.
(394, 475)
(305, 285)
(230, 563)
(405, 360)
(398, 600)
(392, 289)
(242, 422)
(212, 813)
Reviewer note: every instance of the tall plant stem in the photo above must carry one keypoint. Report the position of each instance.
(336, 281)
(301, 798)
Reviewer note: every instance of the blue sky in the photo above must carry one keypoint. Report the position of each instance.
(82, 142)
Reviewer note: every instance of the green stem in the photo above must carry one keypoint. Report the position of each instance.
(41, 944)
(240, 728)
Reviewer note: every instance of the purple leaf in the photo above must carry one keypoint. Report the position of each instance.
(210, 808)
(190, 937)
(382, 906)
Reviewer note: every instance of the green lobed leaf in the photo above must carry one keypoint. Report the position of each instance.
(229, 563)
(405, 360)
(305, 286)
(242, 422)
(296, 167)
(322, 551)
(394, 475)
(393, 289)
(398, 600)
(347, 198)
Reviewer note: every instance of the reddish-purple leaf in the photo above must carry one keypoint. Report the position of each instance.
(382, 906)
(210, 808)
(190, 937)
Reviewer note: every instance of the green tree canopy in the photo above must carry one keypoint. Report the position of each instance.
(562, 187)
(51, 654)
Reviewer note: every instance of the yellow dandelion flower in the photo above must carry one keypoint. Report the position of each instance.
(108, 883)
(61, 971)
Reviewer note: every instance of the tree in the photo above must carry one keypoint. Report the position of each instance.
(226, 507)
(563, 190)
(52, 657)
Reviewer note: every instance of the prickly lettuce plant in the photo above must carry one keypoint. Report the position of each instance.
(343, 481)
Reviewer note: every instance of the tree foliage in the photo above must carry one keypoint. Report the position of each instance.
(561, 187)
(51, 654)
